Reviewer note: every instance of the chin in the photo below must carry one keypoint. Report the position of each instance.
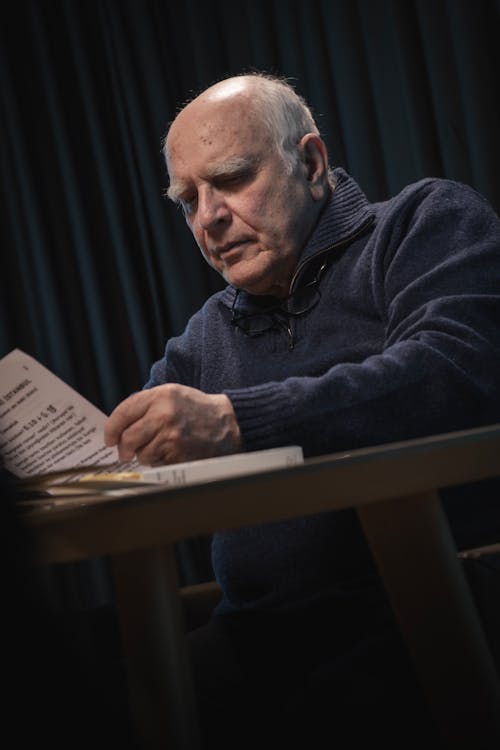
(257, 283)
(259, 290)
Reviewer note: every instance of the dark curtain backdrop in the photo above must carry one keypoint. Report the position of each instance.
(97, 269)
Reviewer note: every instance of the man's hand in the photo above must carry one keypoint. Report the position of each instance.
(172, 423)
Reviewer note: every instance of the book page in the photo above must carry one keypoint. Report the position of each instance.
(45, 425)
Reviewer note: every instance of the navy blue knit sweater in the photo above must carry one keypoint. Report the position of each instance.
(404, 341)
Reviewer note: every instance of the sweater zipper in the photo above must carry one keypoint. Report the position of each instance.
(289, 330)
(301, 266)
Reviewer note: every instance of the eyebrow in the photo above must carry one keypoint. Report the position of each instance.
(227, 168)
(174, 191)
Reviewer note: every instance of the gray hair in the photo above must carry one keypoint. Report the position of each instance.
(284, 112)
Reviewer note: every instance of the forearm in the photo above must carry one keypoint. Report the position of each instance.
(411, 390)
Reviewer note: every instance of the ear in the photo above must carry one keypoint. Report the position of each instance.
(315, 159)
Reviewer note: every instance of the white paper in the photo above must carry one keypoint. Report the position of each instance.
(45, 425)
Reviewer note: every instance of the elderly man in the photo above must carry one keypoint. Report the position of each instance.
(343, 324)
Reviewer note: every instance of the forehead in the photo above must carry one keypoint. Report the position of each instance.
(210, 131)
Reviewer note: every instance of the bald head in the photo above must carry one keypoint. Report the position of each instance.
(271, 101)
(230, 87)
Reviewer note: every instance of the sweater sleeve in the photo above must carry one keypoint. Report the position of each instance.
(435, 275)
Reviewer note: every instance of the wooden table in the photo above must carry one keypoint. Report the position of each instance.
(394, 490)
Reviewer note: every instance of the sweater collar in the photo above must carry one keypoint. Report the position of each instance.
(346, 212)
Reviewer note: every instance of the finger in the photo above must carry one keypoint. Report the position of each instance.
(159, 447)
(155, 453)
(129, 411)
(138, 436)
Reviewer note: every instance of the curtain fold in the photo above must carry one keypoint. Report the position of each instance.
(98, 270)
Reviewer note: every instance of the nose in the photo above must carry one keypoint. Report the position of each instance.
(212, 208)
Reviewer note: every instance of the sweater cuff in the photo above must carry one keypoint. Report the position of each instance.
(261, 412)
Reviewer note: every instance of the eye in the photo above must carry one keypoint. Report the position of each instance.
(188, 204)
(234, 180)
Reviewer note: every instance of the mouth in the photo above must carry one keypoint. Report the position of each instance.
(230, 251)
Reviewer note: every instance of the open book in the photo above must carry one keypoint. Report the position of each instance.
(51, 438)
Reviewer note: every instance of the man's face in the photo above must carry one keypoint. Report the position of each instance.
(249, 217)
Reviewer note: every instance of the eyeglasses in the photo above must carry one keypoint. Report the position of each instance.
(300, 302)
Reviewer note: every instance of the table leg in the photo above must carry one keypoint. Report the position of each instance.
(414, 550)
(160, 687)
